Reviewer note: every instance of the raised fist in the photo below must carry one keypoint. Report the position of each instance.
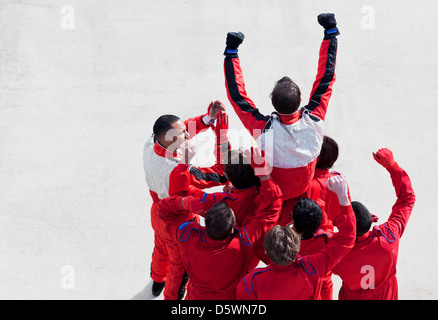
(234, 39)
(328, 22)
(384, 157)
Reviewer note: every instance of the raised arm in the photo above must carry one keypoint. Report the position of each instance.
(325, 77)
(319, 264)
(203, 122)
(402, 209)
(244, 107)
(271, 198)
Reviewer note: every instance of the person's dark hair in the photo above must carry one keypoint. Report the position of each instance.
(164, 124)
(363, 218)
(307, 216)
(286, 96)
(329, 154)
(219, 221)
(239, 171)
(282, 245)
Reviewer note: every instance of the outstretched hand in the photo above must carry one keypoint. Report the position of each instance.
(384, 157)
(214, 108)
(221, 128)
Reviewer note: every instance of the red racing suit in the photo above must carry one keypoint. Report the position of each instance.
(158, 165)
(244, 202)
(314, 245)
(291, 142)
(215, 267)
(302, 279)
(170, 210)
(368, 271)
(326, 199)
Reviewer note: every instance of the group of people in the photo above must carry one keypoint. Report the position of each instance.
(281, 204)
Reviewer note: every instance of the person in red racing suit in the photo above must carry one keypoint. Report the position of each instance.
(218, 255)
(160, 157)
(244, 198)
(306, 219)
(291, 136)
(294, 277)
(368, 271)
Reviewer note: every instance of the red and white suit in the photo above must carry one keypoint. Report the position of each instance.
(158, 164)
(291, 142)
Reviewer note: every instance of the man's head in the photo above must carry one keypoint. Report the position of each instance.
(239, 171)
(170, 131)
(219, 221)
(286, 96)
(363, 218)
(306, 216)
(282, 245)
(329, 154)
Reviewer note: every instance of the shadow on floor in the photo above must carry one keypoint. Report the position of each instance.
(146, 294)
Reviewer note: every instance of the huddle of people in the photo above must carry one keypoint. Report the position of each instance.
(281, 203)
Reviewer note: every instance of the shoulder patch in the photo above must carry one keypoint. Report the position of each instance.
(243, 237)
(307, 266)
(249, 287)
(188, 229)
(391, 237)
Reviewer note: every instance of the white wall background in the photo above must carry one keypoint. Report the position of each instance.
(76, 106)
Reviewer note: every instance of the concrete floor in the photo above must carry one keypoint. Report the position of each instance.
(82, 82)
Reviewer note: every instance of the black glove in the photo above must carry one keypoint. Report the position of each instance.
(234, 39)
(328, 22)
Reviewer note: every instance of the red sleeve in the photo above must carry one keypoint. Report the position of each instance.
(322, 87)
(319, 264)
(195, 125)
(244, 107)
(268, 212)
(171, 211)
(208, 177)
(180, 184)
(402, 209)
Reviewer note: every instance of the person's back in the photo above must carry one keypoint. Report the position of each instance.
(214, 266)
(295, 277)
(274, 282)
(218, 255)
(307, 216)
(369, 270)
